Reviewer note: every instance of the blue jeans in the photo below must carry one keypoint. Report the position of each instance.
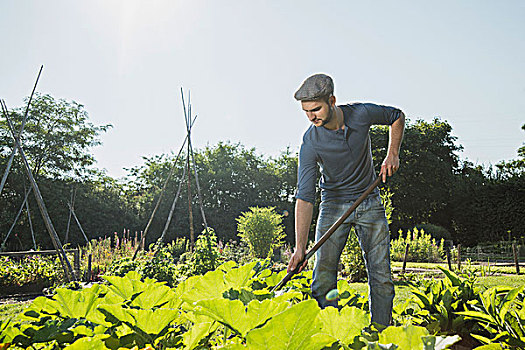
(374, 238)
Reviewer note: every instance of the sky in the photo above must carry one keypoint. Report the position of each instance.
(126, 62)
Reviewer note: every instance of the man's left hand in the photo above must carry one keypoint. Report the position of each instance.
(390, 166)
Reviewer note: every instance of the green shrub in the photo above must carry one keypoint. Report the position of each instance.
(262, 230)
(122, 266)
(423, 248)
(160, 266)
(206, 255)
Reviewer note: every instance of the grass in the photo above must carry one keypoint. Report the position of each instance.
(403, 292)
(434, 266)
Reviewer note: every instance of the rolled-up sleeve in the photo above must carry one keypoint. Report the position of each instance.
(384, 115)
(306, 174)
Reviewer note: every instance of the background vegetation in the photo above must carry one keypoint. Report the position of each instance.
(434, 186)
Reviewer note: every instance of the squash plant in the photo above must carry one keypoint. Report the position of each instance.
(231, 307)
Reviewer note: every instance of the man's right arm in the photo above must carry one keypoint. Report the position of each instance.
(303, 220)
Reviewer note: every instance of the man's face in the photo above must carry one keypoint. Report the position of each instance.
(318, 112)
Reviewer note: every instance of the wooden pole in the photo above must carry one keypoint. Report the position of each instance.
(30, 224)
(448, 257)
(172, 209)
(516, 258)
(16, 217)
(405, 258)
(76, 261)
(161, 193)
(68, 270)
(78, 222)
(459, 257)
(190, 213)
(20, 131)
(327, 234)
(88, 277)
(188, 176)
(72, 201)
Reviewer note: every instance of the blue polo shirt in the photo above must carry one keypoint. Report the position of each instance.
(344, 157)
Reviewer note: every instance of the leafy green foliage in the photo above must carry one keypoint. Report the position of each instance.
(17, 274)
(229, 308)
(501, 312)
(261, 229)
(206, 255)
(57, 135)
(440, 302)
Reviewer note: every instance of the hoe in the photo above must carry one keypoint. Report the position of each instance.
(327, 235)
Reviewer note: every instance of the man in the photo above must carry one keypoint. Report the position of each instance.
(338, 143)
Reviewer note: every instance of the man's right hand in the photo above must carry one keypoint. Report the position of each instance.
(297, 257)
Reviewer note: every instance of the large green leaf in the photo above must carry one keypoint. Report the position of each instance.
(156, 295)
(295, 328)
(115, 313)
(8, 331)
(274, 278)
(343, 325)
(239, 277)
(406, 338)
(202, 327)
(209, 286)
(235, 315)
(68, 303)
(508, 301)
(153, 322)
(129, 286)
(93, 343)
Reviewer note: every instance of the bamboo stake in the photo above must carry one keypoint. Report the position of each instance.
(188, 178)
(78, 222)
(16, 217)
(72, 201)
(516, 260)
(172, 170)
(20, 131)
(199, 196)
(459, 257)
(172, 209)
(405, 258)
(198, 187)
(30, 224)
(448, 258)
(68, 270)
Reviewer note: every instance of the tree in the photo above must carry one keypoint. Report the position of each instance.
(57, 141)
(488, 205)
(422, 188)
(57, 137)
(232, 179)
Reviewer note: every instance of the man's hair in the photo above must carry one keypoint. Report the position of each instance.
(325, 98)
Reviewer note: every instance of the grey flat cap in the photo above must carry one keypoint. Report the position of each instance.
(315, 87)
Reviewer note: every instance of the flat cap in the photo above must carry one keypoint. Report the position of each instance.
(315, 87)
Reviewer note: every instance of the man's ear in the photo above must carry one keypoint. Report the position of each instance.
(332, 100)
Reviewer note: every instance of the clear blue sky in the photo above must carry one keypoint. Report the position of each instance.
(242, 60)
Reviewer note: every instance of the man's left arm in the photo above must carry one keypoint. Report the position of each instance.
(391, 163)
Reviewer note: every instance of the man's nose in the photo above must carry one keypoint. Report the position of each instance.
(310, 115)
